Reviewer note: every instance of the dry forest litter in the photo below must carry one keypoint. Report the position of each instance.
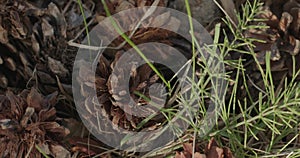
(39, 41)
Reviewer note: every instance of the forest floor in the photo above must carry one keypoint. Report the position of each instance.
(77, 82)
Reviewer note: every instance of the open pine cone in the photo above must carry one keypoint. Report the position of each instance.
(283, 34)
(282, 38)
(34, 46)
(28, 120)
(112, 92)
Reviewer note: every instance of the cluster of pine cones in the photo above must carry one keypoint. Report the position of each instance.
(34, 52)
(35, 55)
(36, 60)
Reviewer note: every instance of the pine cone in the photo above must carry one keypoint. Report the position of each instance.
(111, 85)
(28, 120)
(34, 41)
(282, 37)
(283, 32)
(281, 40)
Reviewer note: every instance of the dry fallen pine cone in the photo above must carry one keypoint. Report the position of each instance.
(34, 44)
(282, 37)
(28, 121)
(283, 34)
(111, 85)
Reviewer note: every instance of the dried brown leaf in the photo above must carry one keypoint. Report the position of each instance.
(198, 155)
(228, 153)
(215, 152)
(211, 143)
(180, 155)
(188, 147)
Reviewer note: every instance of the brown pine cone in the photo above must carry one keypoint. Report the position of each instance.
(282, 37)
(140, 79)
(283, 32)
(281, 40)
(27, 122)
(34, 43)
(106, 86)
(113, 90)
